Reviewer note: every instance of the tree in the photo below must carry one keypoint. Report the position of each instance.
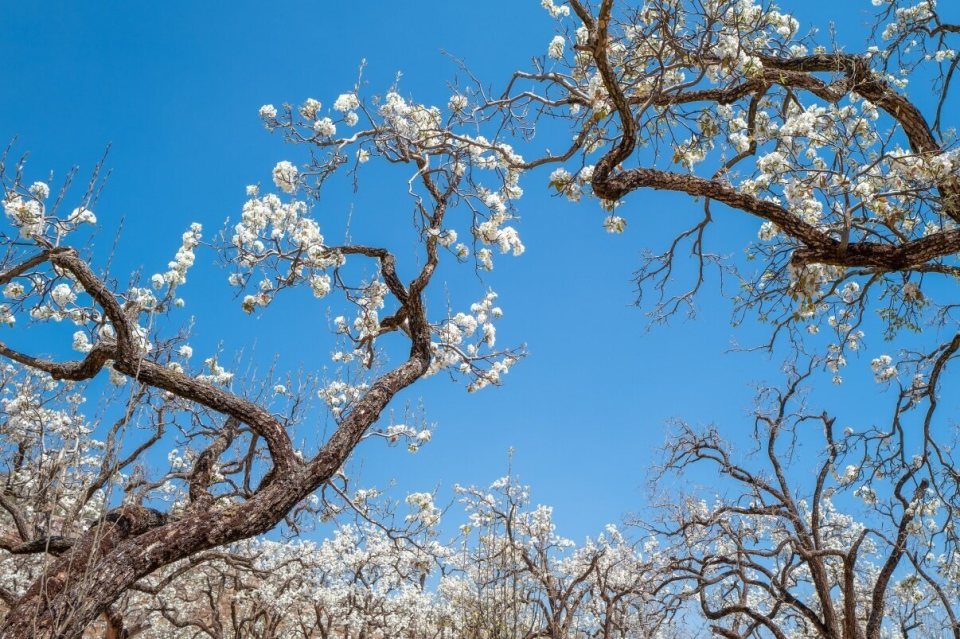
(855, 182)
(857, 192)
(243, 475)
(508, 575)
(514, 577)
(786, 554)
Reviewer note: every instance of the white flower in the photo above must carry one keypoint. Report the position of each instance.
(351, 118)
(346, 102)
(82, 215)
(116, 378)
(945, 54)
(285, 176)
(554, 10)
(911, 292)
(849, 292)
(768, 231)
(62, 294)
(25, 214)
(560, 178)
(850, 473)
(320, 284)
(883, 371)
(6, 316)
(485, 257)
(614, 224)
(185, 351)
(425, 511)
(867, 494)
(218, 374)
(250, 303)
(40, 190)
(14, 290)
(268, 111)
(81, 343)
(184, 258)
(310, 108)
(363, 155)
(457, 103)
(325, 127)
(555, 50)
(447, 238)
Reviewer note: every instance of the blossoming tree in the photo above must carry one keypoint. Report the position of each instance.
(854, 180)
(508, 574)
(241, 474)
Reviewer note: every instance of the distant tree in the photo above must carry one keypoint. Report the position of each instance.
(857, 542)
(509, 575)
(515, 577)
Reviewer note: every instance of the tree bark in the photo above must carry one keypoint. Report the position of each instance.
(132, 542)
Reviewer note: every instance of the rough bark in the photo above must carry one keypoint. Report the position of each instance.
(132, 542)
(612, 181)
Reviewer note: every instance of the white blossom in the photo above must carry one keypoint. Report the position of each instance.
(285, 176)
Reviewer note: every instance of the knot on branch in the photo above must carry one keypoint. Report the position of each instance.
(131, 521)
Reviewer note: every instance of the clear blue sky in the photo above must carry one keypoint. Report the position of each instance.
(175, 86)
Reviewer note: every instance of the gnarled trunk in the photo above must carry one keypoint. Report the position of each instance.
(128, 545)
(133, 541)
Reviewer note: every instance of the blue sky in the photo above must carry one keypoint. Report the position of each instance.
(174, 88)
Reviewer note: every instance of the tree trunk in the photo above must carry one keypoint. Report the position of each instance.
(130, 544)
